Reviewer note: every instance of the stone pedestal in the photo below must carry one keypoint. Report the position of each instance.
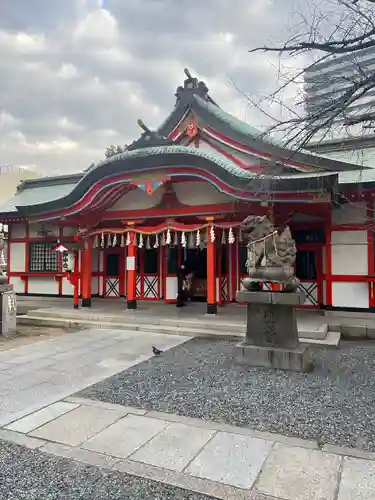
(8, 311)
(271, 332)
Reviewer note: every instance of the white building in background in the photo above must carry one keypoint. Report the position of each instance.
(326, 82)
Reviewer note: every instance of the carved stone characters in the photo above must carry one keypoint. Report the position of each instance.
(270, 255)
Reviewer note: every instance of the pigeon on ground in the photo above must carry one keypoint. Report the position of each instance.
(156, 351)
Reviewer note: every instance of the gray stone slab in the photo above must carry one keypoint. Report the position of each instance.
(41, 417)
(296, 359)
(108, 406)
(294, 473)
(79, 454)
(231, 459)
(125, 436)
(186, 482)
(357, 480)
(21, 439)
(175, 447)
(77, 426)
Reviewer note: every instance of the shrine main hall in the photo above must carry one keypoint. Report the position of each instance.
(120, 229)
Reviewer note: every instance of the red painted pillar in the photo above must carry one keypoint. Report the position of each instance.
(211, 273)
(371, 256)
(328, 262)
(131, 271)
(75, 280)
(86, 274)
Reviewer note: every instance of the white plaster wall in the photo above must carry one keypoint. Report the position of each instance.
(350, 295)
(43, 285)
(349, 237)
(18, 230)
(53, 229)
(199, 193)
(69, 231)
(101, 261)
(94, 285)
(67, 287)
(17, 257)
(349, 253)
(95, 259)
(138, 200)
(18, 283)
(350, 213)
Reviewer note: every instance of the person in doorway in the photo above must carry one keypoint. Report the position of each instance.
(181, 286)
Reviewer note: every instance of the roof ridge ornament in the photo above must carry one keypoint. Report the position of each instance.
(149, 138)
(192, 85)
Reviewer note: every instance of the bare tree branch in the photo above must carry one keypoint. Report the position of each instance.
(333, 27)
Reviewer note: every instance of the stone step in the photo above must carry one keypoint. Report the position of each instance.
(313, 332)
(144, 327)
(186, 330)
(332, 339)
(130, 317)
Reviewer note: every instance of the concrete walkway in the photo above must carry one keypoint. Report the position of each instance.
(36, 375)
(215, 459)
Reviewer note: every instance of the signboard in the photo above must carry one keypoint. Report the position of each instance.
(130, 263)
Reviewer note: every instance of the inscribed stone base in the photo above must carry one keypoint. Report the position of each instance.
(271, 318)
(296, 359)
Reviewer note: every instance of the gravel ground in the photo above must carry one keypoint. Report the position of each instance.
(31, 475)
(333, 404)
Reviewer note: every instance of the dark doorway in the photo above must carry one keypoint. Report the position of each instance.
(306, 265)
(113, 264)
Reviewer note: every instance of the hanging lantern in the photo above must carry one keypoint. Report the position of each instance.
(140, 244)
(163, 240)
(127, 239)
(95, 242)
(114, 241)
(198, 238)
(156, 244)
(168, 239)
(175, 239)
(223, 238)
(148, 243)
(191, 240)
(231, 238)
(122, 241)
(108, 241)
(183, 239)
(212, 234)
(102, 240)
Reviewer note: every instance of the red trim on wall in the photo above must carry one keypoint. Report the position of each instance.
(328, 262)
(27, 255)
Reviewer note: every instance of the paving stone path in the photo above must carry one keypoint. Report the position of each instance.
(36, 375)
(214, 459)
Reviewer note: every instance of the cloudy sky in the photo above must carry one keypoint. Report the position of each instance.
(77, 74)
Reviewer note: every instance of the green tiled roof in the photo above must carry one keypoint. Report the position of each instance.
(230, 120)
(220, 160)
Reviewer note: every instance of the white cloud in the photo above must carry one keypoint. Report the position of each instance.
(76, 76)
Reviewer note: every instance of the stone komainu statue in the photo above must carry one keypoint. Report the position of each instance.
(270, 255)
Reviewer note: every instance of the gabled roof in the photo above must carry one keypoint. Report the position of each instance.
(194, 97)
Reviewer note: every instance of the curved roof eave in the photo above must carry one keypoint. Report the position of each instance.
(233, 128)
(155, 158)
